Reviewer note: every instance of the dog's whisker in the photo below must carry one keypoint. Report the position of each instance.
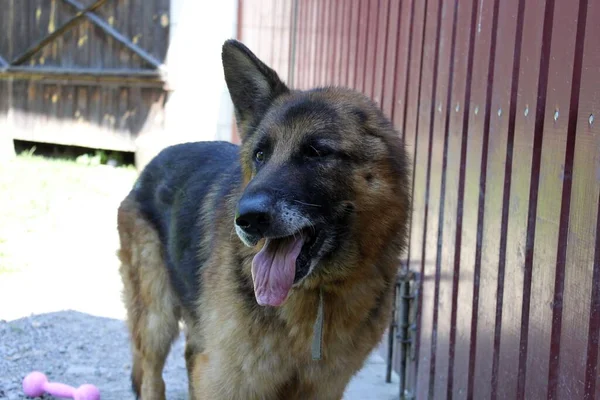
(307, 204)
(232, 233)
(312, 227)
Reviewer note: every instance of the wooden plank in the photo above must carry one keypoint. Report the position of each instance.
(531, 286)
(353, 44)
(85, 44)
(496, 123)
(286, 42)
(336, 52)
(388, 78)
(551, 139)
(415, 145)
(475, 195)
(244, 30)
(67, 47)
(321, 39)
(403, 70)
(592, 381)
(440, 110)
(576, 332)
(455, 100)
(333, 40)
(383, 26)
(67, 103)
(162, 29)
(144, 24)
(32, 107)
(468, 203)
(522, 128)
(39, 30)
(302, 45)
(98, 48)
(464, 263)
(345, 39)
(57, 17)
(36, 109)
(326, 48)
(296, 42)
(61, 104)
(122, 25)
(505, 278)
(361, 50)
(275, 35)
(109, 56)
(329, 42)
(97, 45)
(133, 26)
(307, 38)
(584, 234)
(134, 121)
(7, 148)
(21, 124)
(427, 187)
(94, 115)
(107, 122)
(6, 34)
(263, 24)
(307, 43)
(257, 23)
(50, 104)
(21, 30)
(371, 47)
(122, 115)
(493, 154)
(390, 96)
(39, 19)
(312, 54)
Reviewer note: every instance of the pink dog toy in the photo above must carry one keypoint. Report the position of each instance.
(36, 384)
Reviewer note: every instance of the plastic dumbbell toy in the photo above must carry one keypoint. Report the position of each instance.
(36, 384)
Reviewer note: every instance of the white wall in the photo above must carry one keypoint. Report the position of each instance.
(199, 108)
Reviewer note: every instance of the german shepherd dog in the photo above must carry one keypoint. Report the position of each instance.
(279, 255)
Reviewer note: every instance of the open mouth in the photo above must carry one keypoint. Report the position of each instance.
(282, 262)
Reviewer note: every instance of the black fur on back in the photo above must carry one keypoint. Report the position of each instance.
(170, 192)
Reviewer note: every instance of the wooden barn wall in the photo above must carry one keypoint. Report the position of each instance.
(98, 113)
(498, 103)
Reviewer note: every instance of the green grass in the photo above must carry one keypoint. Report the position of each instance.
(49, 207)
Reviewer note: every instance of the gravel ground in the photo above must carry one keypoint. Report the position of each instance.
(76, 348)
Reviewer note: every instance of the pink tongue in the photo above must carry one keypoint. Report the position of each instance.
(273, 270)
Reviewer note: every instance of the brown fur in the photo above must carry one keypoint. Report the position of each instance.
(152, 308)
(238, 350)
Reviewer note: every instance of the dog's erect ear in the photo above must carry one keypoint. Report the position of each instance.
(252, 85)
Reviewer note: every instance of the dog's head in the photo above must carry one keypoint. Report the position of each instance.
(322, 169)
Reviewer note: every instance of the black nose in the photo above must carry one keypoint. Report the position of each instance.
(253, 213)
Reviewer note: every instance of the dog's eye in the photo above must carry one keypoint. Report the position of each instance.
(259, 156)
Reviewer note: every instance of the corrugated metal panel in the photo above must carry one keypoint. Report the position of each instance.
(498, 102)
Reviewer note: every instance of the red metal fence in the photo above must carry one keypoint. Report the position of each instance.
(498, 102)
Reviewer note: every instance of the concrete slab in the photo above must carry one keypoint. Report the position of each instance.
(369, 383)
